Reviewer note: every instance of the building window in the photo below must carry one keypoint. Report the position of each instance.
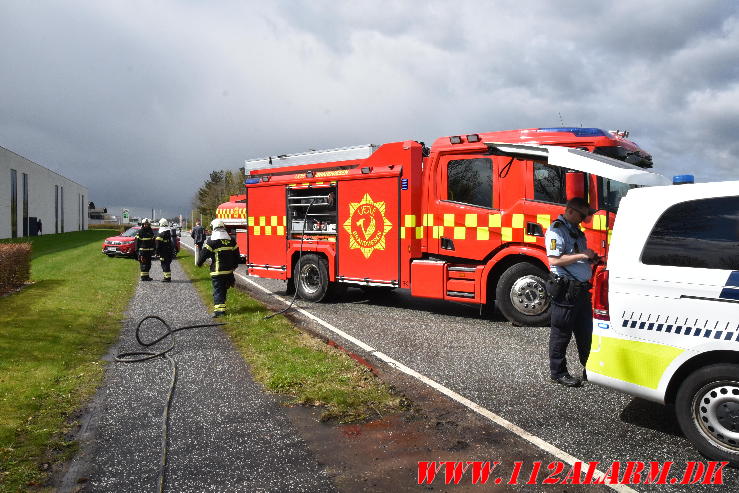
(25, 204)
(470, 181)
(699, 233)
(61, 201)
(13, 203)
(549, 183)
(56, 208)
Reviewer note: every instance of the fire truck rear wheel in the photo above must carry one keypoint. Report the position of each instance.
(521, 295)
(707, 409)
(311, 277)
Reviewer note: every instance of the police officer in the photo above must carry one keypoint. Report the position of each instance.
(164, 247)
(144, 248)
(571, 265)
(225, 257)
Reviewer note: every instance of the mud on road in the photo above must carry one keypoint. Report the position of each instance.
(382, 455)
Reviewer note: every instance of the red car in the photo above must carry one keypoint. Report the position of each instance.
(123, 245)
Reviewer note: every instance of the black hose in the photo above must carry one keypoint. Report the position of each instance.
(300, 256)
(141, 356)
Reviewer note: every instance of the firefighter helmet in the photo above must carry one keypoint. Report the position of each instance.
(217, 223)
(145, 221)
(163, 223)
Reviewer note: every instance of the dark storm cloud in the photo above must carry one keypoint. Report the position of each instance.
(140, 100)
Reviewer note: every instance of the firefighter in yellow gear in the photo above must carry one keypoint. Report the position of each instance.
(225, 257)
(144, 248)
(164, 248)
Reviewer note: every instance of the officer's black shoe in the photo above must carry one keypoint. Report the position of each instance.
(584, 375)
(146, 279)
(219, 314)
(567, 380)
(167, 279)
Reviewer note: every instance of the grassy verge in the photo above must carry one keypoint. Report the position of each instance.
(290, 362)
(52, 335)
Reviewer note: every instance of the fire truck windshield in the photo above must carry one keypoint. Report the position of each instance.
(641, 159)
(610, 193)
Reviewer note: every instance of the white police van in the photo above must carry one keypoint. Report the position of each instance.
(666, 310)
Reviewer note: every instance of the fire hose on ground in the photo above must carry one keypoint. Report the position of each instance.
(140, 357)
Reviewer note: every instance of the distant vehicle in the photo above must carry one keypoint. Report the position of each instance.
(123, 245)
(666, 309)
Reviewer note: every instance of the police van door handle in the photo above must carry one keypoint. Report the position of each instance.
(447, 244)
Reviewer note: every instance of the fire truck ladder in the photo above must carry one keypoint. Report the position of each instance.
(310, 157)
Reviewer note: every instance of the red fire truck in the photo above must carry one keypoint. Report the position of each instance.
(462, 221)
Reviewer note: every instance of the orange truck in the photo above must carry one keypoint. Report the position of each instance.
(463, 220)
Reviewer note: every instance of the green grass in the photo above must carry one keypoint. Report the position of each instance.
(52, 336)
(292, 363)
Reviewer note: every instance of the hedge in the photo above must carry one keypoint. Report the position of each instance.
(15, 266)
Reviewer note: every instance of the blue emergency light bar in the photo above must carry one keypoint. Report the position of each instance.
(251, 181)
(683, 179)
(577, 131)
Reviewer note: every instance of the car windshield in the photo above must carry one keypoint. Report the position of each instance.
(611, 192)
(131, 232)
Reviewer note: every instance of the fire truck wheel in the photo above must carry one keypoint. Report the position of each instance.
(707, 409)
(311, 277)
(521, 295)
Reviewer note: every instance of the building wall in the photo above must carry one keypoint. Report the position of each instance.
(42, 183)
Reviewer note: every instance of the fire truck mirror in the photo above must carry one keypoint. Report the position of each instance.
(575, 184)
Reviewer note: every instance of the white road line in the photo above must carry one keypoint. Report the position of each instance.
(517, 430)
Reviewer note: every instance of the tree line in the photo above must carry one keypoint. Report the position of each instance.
(216, 190)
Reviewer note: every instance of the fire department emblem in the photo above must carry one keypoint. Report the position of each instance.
(367, 225)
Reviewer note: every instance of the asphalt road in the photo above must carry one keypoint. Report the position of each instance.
(505, 370)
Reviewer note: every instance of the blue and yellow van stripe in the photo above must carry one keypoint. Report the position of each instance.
(731, 288)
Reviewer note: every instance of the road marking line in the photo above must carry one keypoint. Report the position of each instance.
(499, 420)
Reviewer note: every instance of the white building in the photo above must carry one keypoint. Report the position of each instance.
(33, 196)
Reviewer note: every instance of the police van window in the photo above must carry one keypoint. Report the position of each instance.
(700, 233)
(549, 183)
(470, 181)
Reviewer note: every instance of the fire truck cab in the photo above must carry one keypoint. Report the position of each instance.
(462, 221)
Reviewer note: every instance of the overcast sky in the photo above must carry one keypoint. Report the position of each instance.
(140, 100)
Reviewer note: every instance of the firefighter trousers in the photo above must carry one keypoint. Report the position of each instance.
(221, 283)
(166, 262)
(569, 319)
(144, 264)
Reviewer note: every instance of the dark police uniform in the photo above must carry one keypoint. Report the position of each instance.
(165, 249)
(570, 309)
(225, 257)
(144, 248)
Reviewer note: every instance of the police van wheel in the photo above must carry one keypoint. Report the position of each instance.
(311, 277)
(707, 409)
(521, 295)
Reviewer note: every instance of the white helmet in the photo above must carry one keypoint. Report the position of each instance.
(217, 223)
(145, 221)
(163, 223)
